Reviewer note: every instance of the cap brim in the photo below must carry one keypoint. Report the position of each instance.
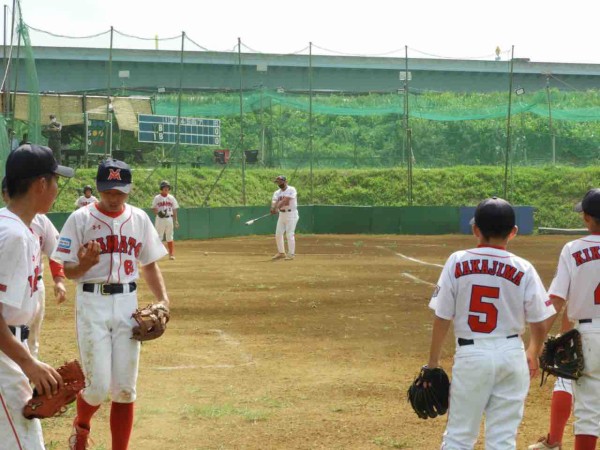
(64, 171)
(578, 207)
(102, 186)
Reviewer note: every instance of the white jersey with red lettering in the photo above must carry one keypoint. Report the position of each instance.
(165, 203)
(124, 240)
(577, 278)
(490, 294)
(19, 270)
(577, 281)
(84, 201)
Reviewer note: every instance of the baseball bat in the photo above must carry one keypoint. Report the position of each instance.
(250, 222)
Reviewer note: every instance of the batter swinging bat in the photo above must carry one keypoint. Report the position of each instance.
(250, 222)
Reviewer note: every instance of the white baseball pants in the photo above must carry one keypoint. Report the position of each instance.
(109, 357)
(286, 223)
(489, 377)
(16, 432)
(164, 227)
(586, 390)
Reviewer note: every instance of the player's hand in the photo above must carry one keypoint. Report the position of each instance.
(89, 255)
(60, 292)
(273, 211)
(532, 362)
(45, 378)
(177, 224)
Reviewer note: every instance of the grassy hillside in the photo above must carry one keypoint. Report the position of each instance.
(551, 190)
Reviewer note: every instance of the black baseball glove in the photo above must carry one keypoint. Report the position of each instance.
(429, 393)
(562, 356)
(162, 214)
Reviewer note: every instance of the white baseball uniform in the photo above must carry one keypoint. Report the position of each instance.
(577, 280)
(84, 201)
(108, 354)
(164, 225)
(18, 275)
(48, 237)
(287, 220)
(490, 294)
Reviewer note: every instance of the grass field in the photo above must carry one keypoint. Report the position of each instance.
(315, 353)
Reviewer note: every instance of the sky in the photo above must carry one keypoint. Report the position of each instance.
(543, 31)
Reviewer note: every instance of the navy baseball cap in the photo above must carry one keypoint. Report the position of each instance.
(590, 203)
(31, 160)
(113, 174)
(494, 216)
(280, 177)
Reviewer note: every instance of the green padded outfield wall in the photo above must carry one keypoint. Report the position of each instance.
(206, 223)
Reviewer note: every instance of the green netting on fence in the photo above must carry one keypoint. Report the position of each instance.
(447, 106)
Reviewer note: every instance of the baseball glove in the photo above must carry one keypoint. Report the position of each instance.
(151, 322)
(41, 407)
(162, 214)
(562, 356)
(430, 401)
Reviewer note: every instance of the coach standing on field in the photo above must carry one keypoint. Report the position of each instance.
(285, 203)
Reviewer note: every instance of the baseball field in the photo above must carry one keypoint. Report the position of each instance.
(315, 353)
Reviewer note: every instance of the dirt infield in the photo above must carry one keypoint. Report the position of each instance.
(315, 353)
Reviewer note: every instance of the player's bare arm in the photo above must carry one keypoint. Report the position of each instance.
(60, 291)
(154, 279)
(88, 255)
(558, 304)
(440, 330)
(175, 221)
(537, 336)
(46, 380)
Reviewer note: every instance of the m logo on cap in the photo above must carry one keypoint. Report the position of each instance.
(114, 174)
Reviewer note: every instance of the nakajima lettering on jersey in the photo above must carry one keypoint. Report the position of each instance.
(488, 267)
(124, 240)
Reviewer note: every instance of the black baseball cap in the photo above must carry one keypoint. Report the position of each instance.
(494, 216)
(280, 177)
(590, 203)
(31, 160)
(113, 174)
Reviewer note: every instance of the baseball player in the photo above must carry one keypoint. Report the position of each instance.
(87, 197)
(285, 203)
(560, 407)
(48, 238)
(577, 284)
(490, 294)
(165, 207)
(32, 186)
(101, 246)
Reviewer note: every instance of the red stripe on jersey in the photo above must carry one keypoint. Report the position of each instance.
(121, 254)
(3, 288)
(499, 247)
(487, 254)
(112, 214)
(111, 232)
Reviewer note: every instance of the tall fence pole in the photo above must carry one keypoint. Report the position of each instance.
(107, 129)
(408, 131)
(242, 123)
(552, 136)
(310, 119)
(508, 137)
(178, 135)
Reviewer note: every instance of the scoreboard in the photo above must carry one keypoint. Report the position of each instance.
(192, 130)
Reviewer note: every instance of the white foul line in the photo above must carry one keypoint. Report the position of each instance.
(419, 261)
(418, 280)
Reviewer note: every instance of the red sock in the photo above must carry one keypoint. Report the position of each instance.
(560, 411)
(585, 442)
(170, 247)
(121, 423)
(85, 411)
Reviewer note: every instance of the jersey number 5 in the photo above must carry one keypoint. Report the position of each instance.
(477, 305)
